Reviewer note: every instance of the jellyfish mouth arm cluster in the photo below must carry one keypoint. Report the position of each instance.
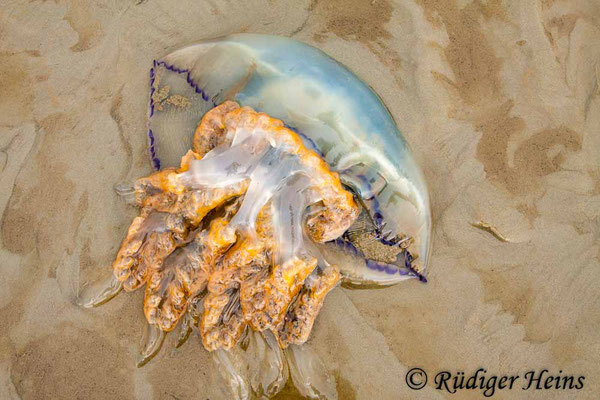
(236, 224)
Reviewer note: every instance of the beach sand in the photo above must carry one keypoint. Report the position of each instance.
(498, 99)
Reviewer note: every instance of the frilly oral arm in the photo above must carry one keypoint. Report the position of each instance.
(163, 191)
(301, 315)
(284, 283)
(223, 321)
(151, 237)
(185, 274)
(240, 276)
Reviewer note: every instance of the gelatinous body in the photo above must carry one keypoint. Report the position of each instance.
(297, 180)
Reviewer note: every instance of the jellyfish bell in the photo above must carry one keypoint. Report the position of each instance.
(334, 112)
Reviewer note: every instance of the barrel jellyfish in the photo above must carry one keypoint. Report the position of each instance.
(278, 176)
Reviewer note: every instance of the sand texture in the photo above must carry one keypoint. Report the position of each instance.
(498, 99)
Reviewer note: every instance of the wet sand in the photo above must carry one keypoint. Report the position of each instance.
(499, 101)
